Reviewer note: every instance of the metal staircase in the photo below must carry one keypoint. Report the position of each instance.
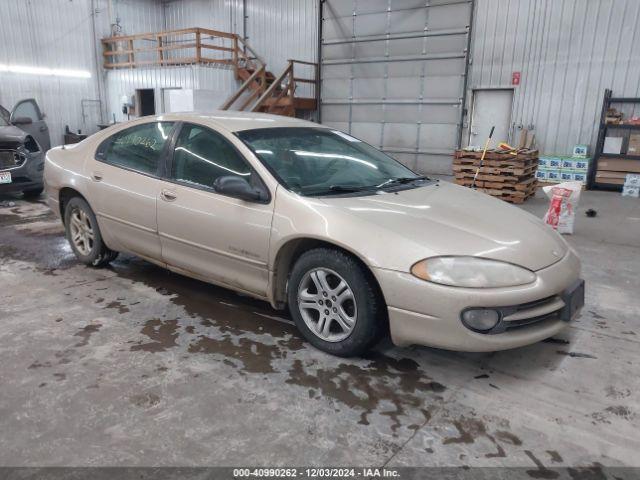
(260, 91)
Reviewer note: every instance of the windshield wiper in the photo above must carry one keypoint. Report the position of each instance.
(348, 188)
(400, 181)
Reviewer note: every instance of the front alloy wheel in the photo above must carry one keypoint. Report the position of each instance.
(327, 304)
(335, 302)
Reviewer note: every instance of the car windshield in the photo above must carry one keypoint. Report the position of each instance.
(318, 161)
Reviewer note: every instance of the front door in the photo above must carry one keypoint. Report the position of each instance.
(125, 184)
(491, 107)
(27, 116)
(217, 237)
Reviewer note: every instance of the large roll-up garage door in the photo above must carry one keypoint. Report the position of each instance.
(393, 74)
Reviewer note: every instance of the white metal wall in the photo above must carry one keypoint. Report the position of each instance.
(60, 34)
(277, 30)
(393, 74)
(568, 51)
(28, 39)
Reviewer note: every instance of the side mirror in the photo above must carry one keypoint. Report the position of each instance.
(22, 121)
(238, 187)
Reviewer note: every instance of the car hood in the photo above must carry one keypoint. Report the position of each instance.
(12, 134)
(446, 219)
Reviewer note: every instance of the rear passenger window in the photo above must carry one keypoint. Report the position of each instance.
(201, 156)
(138, 148)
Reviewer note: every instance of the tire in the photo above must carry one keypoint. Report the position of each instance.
(356, 315)
(90, 249)
(32, 192)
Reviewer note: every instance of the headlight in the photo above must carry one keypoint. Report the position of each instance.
(471, 272)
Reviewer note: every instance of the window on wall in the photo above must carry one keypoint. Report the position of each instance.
(201, 156)
(137, 148)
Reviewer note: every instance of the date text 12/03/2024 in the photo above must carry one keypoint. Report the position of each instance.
(308, 473)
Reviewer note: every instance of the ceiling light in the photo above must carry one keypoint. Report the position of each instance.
(55, 72)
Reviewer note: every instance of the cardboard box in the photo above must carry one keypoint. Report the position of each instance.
(554, 162)
(581, 165)
(579, 177)
(543, 162)
(541, 174)
(580, 151)
(567, 163)
(612, 145)
(566, 175)
(575, 164)
(553, 175)
(619, 165)
(634, 144)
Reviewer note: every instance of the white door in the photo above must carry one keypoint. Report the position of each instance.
(491, 108)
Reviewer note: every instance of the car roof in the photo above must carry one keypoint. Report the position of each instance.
(234, 121)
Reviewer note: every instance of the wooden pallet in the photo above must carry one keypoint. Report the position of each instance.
(521, 186)
(503, 175)
(499, 155)
(519, 171)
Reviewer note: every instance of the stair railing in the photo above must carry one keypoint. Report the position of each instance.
(288, 89)
(252, 61)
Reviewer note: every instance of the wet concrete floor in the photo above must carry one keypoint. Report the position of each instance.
(134, 365)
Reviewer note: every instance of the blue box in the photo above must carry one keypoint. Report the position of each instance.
(580, 151)
(555, 162)
(541, 174)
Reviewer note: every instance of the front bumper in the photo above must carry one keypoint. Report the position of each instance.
(424, 313)
(27, 176)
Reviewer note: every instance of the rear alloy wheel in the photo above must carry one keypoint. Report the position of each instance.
(84, 235)
(334, 302)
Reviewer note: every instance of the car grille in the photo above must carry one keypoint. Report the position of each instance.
(532, 312)
(11, 159)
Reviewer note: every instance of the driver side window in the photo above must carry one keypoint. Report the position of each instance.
(201, 156)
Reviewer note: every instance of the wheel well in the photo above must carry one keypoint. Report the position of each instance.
(291, 251)
(65, 195)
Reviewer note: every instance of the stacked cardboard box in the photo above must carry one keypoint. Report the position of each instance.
(557, 168)
(509, 176)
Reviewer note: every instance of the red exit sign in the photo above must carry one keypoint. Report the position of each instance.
(515, 78)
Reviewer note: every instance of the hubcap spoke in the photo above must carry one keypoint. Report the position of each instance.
(81, 231)
(309, 304)
(344, 324)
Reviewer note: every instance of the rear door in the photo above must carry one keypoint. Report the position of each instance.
(218, 237)
(124, 186)
(37, 128)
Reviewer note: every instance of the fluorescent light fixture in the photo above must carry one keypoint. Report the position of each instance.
(55, 72)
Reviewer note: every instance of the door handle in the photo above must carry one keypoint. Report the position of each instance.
(96, 176)
(168, 195)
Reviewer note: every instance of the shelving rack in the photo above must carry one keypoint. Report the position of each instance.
(634, 160)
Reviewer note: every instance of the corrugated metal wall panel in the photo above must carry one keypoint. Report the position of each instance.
(276, 29)
(221, 15)
(568, 52)
(60, 34)
(27, 39)
(284, 29)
